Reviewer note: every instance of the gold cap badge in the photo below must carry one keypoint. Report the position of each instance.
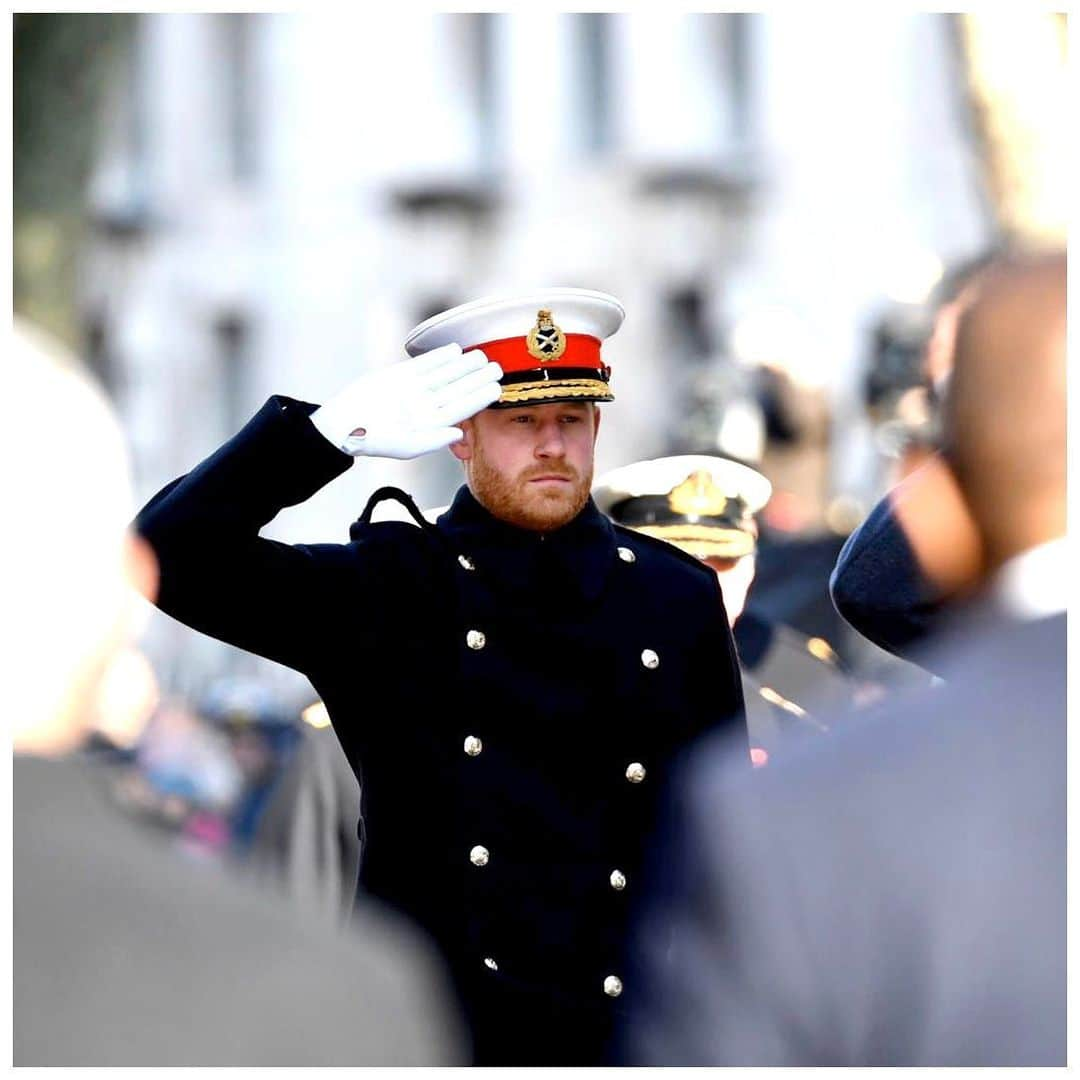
(697, 495)
(545, 340)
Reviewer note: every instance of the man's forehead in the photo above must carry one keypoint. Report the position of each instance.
(551, 407)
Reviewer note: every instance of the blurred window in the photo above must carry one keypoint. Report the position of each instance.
(681, 83)
(237, 33)
(740, 26)
(686, 326)
(232, 334)
(593, 36)
(99, 357)
(482, 54)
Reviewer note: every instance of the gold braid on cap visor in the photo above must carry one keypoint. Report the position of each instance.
(522, 393)
(703, 541)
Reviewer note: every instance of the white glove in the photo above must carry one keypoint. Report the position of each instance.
(409, 408)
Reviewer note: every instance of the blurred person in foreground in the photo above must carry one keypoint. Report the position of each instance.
(895, 895)
(125, 954)
(509, 683)
(877, 584)
(706, 505)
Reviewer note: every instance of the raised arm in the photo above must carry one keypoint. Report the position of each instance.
(219, 576)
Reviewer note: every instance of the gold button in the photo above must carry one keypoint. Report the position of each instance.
(473, 745)
(613, 986)
(650, 659)
(466, 562)
(475, 639)
(618, 880)
(626, 555)
(635, 772)
(489, 963)
(479, 855)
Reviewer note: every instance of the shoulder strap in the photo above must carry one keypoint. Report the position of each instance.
(406, 500)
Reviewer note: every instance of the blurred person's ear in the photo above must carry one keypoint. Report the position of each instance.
(140, 566)
(940, 527)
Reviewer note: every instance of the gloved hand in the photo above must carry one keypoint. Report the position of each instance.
(409, 408)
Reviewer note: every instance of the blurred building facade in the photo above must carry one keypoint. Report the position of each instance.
(280, 197)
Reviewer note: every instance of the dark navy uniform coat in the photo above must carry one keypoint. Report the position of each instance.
(510, 701)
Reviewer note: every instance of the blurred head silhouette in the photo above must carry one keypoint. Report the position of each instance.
(999, 487)
(68, 605)
(1005, 414)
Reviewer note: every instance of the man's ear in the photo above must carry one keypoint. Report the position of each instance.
(463, 449)
(596, 422)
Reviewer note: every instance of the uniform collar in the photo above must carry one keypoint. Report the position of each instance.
(575, 558)
(1032, 585)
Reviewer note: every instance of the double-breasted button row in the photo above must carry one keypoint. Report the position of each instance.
(613, 985)
(476, 639)
(474, 746)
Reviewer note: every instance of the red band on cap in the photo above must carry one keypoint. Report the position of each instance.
(512, 354)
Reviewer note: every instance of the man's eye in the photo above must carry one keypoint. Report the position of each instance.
(524, 418)
(571, 419)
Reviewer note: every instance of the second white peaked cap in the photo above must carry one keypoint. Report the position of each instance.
(699, 502)
(563, 364)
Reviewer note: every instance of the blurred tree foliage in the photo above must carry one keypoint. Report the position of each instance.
(62, 66)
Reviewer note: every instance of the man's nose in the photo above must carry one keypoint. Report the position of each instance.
(550, 442)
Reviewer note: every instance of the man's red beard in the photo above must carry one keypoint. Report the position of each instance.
(540, 508)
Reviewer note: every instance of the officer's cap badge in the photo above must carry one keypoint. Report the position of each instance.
(697, 496)
(545, 341)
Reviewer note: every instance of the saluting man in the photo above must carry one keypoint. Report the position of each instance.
(706, 505)
(513, 681)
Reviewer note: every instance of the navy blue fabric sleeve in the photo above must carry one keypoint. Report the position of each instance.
(217, 574)
(878, 587)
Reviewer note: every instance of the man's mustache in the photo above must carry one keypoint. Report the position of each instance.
(566, 473)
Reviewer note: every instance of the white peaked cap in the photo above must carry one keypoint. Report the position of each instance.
(659, 476)
(563, 365)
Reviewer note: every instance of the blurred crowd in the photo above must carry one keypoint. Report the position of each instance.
(238, 778)
(237, 782)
